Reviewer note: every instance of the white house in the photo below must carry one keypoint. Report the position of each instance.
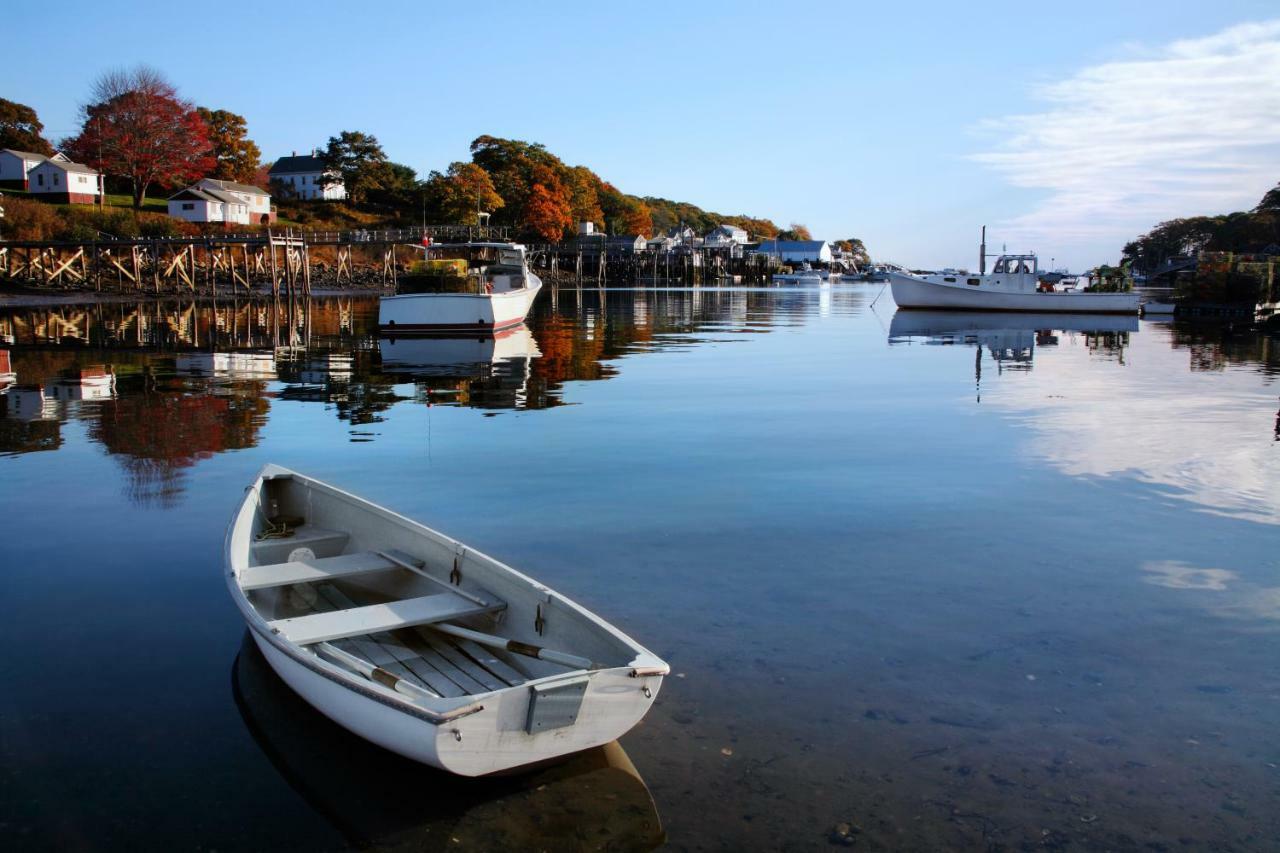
(301, 177)
(682, 235)
(725, 236)
(64, 182)
(627, 244)
(16, 166)
(797, 251)
(257, 199)
(200, 204)
(662, 243)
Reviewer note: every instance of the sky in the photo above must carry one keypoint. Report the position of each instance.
(1067, 129)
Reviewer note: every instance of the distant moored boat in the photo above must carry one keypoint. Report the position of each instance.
(500, 290)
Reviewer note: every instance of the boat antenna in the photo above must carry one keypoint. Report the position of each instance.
(982, 253)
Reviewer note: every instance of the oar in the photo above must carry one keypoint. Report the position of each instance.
(456, 590)
(562, 658)
(376, 673)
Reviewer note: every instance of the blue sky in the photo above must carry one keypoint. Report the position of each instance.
(1066, 128)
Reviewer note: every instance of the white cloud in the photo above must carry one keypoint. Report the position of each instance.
(1190, 128)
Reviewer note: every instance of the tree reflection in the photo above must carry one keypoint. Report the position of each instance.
(158, 434)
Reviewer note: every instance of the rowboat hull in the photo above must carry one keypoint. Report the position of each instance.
(444, 313)
(467, 733)
(914, 292)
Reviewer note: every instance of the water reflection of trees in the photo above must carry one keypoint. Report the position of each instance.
(159, 430)
(190, 379)
(1214, 346)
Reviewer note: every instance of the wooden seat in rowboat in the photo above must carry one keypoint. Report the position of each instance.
(317, 569)
(375, 618)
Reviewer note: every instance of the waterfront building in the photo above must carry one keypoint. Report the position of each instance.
(303, 177)
(16, 166)
(627, 244)
(797, 251)
(683, 235)
(64, 182)
(725, 236)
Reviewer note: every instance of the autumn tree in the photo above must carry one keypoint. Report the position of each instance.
(546, 212)
(138, 128)
(20, 129)
(456, 195)
(237, 156)
(400, 187)
(584, 197)
(856, 249)
(356, 160)
(795, 232)
(634, 218)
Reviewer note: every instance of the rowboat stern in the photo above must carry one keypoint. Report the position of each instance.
(504, 735)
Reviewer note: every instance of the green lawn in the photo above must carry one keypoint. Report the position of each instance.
(154, 205)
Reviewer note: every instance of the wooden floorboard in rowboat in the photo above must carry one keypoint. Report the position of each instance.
(431, 677)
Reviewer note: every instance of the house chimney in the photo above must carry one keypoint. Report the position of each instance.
(295, 153)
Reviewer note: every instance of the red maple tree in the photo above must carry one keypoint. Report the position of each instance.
(138, 128)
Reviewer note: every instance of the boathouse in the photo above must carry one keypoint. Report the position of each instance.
(16, 166)
(797, 251)
(64, 182)
(303, 178)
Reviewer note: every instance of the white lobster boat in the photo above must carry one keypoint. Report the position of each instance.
(500, 291)
(806, 275)
(1012, 285)
(420, 644)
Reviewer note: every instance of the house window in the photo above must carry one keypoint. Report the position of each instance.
(304, 180)
(188, 205)
(40, 179)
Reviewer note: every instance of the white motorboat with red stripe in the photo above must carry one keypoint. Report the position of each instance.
(498, 293)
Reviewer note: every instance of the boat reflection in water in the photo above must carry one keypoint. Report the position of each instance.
(375, 799)
(1009, 338)
(494, 368)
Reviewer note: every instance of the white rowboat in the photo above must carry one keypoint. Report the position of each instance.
(420, 644)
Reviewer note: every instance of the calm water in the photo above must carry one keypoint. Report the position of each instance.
(956, 581)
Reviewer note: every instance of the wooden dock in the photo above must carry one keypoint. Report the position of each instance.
(276, 262)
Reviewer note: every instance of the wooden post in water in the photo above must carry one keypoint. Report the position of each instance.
(306, 273)
(275, 277)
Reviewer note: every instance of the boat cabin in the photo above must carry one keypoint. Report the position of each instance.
(490, 267)
(1018, 273)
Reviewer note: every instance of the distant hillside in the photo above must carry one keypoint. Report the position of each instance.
(524, 185)
(1244, 231)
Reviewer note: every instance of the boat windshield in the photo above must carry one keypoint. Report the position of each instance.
(1014, 265)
